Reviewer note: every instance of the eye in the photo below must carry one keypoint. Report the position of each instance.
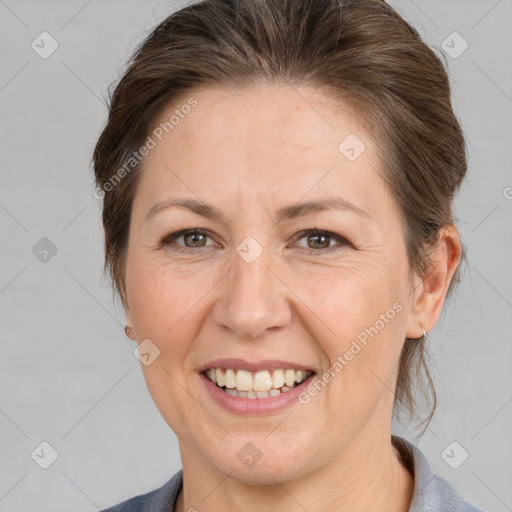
(320, 240)
(194, 238)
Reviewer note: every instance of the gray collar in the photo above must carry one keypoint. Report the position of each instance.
(431, 492)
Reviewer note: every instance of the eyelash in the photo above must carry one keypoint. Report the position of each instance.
(168, 239)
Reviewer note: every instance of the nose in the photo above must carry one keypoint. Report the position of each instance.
(253, 300)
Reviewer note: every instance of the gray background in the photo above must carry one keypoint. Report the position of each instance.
(68, 375)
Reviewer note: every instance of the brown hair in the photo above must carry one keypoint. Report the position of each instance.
(361, 51)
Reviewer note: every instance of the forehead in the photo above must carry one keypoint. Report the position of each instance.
(266, 118)
(262, 142)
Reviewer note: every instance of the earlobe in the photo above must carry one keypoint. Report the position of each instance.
(430, 294)
(128, 330)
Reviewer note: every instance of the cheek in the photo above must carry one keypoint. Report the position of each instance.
(162, 302)
(359, 323)
(164, 305)
(352, 297)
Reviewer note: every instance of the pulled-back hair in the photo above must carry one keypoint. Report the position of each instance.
(360, 51)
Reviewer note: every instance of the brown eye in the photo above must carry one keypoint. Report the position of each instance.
(195, 239)
(319, 242)
(192, 239)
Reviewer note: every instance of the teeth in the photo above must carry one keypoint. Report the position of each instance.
(300, 376)
(289, 377)
(243, 380)
(230, 379)
(262, 384)
(221, 380)
(278, 379)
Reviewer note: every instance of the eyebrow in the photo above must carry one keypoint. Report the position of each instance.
(285, 213)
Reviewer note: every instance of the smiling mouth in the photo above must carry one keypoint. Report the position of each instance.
(261, 384)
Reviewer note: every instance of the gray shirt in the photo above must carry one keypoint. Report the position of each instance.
(431, 493)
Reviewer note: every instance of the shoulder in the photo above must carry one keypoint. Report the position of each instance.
(432, 493)
(159, 500)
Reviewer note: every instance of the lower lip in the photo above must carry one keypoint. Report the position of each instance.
(254, 405)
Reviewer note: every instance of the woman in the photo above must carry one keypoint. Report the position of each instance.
(278, 178)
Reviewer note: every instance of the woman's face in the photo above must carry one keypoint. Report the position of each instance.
(258, 291)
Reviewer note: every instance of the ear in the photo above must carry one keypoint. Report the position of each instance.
(430, 291)
(131, 333)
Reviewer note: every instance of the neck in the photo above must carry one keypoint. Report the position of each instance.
(366, 476)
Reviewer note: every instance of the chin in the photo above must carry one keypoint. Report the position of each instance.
(262, 460)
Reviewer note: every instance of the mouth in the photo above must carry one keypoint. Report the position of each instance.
(256, 385)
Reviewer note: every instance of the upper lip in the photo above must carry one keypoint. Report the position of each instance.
(254, 366)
